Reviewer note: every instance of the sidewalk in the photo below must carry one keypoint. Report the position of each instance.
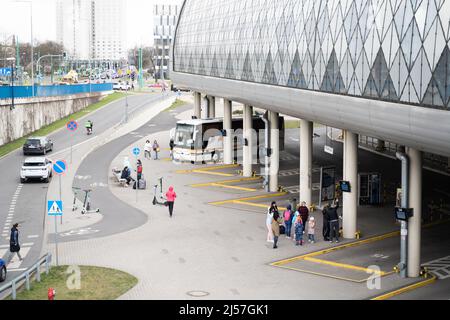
(220, 251)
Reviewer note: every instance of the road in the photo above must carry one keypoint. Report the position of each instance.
(25, 203)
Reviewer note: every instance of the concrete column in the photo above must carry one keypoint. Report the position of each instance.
(350, 200)
(227, 126)
(205, 110)
(248, 135)
(212, 107)
(275, 146)
(306, 150)
(198, 105)
(415, 202)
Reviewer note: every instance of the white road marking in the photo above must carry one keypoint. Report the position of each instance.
(33, 237)
(440, 267)
(30, 244)
(3, 252)
(5, 246)
(16, 263)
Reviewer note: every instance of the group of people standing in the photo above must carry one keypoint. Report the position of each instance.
(298, 224)
(148, 147)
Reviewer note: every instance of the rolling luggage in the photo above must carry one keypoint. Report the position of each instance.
(142, 184)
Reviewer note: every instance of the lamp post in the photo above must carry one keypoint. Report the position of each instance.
(32, 44)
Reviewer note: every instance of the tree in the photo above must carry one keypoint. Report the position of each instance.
(148, 54)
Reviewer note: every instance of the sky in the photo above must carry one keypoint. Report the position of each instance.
(17, 21)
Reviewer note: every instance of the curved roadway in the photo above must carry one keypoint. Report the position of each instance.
(25, 203)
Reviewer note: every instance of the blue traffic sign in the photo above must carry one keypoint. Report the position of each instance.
(5, 72)
(72, 126)
(55, 208)
(136, 151)
(60, 167)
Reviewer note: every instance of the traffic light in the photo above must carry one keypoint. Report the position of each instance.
(64, 55)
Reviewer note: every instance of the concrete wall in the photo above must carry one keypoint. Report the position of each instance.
(30, 115)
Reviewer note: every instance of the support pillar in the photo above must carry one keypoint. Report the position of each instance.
(275, 147)
(306, 149)
(415, 202)
(350, 199)
(212, 107)
(227, 126)
(198, 105)
(248, 147)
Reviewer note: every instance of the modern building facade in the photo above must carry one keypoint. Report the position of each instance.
(92, 29)
(165, 20)
(377, 68)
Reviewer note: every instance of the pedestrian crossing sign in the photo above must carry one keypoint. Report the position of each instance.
(54, 208)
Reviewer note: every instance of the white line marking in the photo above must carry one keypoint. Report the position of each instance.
(4, 246)
(33, 237)
(16, 263)
(17, 270)
(30, 244)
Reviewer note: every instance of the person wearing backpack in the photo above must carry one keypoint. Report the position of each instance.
(288, 221)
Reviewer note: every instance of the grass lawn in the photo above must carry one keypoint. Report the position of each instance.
(45, 131)
(96, 284)
(176, 104)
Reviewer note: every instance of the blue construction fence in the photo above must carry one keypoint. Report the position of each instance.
(7, 92)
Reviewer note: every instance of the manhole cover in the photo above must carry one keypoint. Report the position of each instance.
(198, 294)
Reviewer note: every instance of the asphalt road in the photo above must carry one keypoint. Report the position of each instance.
(29, 207)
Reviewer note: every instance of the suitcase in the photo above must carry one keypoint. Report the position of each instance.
(142, 184)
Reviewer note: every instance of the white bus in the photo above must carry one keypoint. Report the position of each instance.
(202, 140)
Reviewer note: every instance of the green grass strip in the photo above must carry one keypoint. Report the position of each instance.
(178, 103)
(95, 284)
(45, 131)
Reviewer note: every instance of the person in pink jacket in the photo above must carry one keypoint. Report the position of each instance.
(171, 196)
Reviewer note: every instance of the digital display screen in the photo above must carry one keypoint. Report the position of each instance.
(403, 214)
(345, 186)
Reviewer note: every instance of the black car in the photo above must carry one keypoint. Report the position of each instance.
(37, 145)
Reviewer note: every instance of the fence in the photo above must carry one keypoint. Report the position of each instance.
(19, 92)
(13, 285)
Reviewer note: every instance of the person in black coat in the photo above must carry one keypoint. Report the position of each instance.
(333, 218)
(326, 223)
(14, 246)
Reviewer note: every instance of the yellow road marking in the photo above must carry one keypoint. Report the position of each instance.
(250, 198)
(323, 274)
(213, 173)
(406, 289)
(345, 266)
(232, 187)
(325, 251)
(208, 184)
(225, 166)
(258, 205)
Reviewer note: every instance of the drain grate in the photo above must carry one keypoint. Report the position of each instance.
(198, 294)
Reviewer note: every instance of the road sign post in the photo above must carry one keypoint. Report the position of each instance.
(55, 209)
(72, 126)
(137, 152)
(60, 168)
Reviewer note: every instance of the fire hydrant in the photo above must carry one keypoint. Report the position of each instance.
(51, 294)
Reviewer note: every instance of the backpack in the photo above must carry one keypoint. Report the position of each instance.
(287, 215)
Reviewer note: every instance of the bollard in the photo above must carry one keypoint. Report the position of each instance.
(38, 273)
(27, 279)
(13, 288)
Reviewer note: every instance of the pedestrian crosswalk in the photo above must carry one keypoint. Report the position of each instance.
(440, 268)
(15, 265)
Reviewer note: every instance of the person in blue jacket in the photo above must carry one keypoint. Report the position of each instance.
(14, 246)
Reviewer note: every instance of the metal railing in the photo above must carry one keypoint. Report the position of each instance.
(36, 268)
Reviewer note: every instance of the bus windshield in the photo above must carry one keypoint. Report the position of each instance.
(184, 136)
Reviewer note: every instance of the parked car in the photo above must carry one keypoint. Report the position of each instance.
(2, 270)
(121, 85)
(36, 169)
(37, 145)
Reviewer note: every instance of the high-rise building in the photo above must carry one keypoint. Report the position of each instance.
(92, 29)
(165, 20)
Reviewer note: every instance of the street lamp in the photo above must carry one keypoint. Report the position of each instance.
(12, 60)
(32, 45)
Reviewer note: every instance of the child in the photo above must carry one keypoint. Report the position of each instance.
(299, 231)
(311, 230)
